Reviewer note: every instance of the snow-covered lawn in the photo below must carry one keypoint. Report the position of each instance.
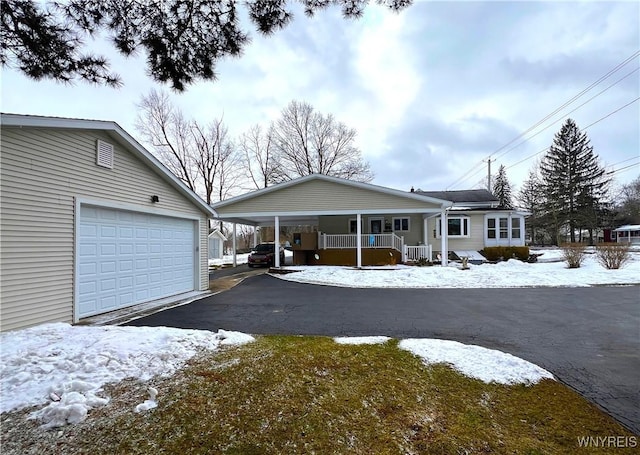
(63, 368)
(512, 273)
(487, 365)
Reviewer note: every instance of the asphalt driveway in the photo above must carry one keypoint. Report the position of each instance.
(589, 338)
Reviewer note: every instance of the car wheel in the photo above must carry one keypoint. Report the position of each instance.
(250, 266)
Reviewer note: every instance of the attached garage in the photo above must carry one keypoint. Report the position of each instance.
(125, 258)
(91, 222)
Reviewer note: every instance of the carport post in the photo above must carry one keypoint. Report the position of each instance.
(358, 241)
(233, 236)
(444, 233)
(255, 236)
(276, 237)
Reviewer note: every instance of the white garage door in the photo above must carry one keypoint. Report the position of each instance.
(125, 258)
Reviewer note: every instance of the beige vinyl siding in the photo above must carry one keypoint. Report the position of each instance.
(475, 242)
(43, 171)
(321, 195)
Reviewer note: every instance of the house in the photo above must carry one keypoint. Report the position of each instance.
(364, 224)
(629, 233)
(216, 244)
(91, 222)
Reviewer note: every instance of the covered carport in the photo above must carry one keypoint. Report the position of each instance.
(305, 200)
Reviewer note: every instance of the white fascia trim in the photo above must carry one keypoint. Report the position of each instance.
(249, 215)
(113, 127)
(366, 186)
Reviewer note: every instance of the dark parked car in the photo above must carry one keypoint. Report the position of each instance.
(263, 254)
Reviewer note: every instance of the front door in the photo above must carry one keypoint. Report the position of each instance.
(376, 225)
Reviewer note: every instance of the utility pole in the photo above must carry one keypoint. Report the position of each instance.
(489, 160)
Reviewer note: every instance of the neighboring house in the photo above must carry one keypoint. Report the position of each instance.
(216, 244)
(629, 233)
(364, 224)
(91, 222)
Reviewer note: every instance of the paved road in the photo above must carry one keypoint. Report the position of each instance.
(589, 338)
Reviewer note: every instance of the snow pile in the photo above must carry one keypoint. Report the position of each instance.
(488, 365)
(361, 340)
(65, 366)
(509, 274)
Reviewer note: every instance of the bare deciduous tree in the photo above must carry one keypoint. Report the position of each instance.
(257, 147)
(308, 142)
(201, 155)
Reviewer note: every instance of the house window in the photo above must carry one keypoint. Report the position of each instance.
(491, 228)
(401, 224)
(515, 228)
(504, 228)
(458, 226)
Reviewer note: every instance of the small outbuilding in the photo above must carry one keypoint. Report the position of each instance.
(91, 222)
(216, 244)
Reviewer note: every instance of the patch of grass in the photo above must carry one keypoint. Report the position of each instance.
(310, 395)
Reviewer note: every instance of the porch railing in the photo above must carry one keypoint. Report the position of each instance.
(414, 253)
(332, 241)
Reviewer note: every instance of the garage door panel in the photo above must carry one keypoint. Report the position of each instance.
(125, 258)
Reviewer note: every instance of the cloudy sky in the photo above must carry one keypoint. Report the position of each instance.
(432, 91)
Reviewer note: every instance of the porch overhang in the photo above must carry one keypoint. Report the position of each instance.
(303, 201)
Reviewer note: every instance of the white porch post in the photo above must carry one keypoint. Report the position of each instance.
(444, 233)
(276, 237)
(425, 230)
(233, 236)
(255, 235)
(358, 241)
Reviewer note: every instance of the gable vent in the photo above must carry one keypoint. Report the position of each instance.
(104, 154)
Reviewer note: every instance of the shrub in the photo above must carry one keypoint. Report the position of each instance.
(612, 255)
(573, 254)
(423, 262)
(504, 253)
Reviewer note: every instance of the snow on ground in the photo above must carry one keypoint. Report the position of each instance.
(64, 367)
(512, 273)
(227, 259)
(488, 365)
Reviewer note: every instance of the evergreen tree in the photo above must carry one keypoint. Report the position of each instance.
(573, 181)
(183, 39)
(502, 189)
(530, 199)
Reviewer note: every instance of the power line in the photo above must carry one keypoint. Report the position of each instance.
(586, 127)
(567, 113)
(616, 171)
(620, 65)
(624, 161)
(605, 76)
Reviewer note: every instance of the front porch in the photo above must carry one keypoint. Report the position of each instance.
(376, 249)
